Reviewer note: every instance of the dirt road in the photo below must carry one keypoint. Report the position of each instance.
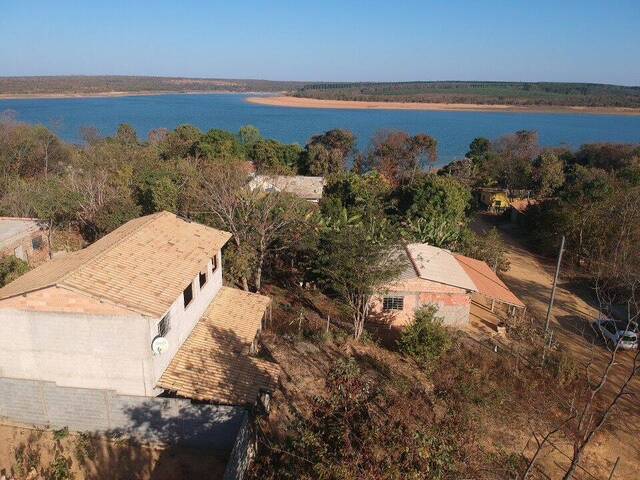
(531, 277)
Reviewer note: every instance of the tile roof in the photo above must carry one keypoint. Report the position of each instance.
(213, 362)
(438, 265)
(488, 283)
(521, 205)
(144, 265)
(309, 188)
(13, 228)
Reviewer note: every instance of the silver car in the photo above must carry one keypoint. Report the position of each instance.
(624, 336)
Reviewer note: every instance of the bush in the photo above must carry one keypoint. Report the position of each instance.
(426, 339)
(11, 268)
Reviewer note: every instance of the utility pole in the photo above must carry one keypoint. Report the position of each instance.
(553, 289)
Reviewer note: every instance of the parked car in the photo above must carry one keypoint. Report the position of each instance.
(613, 333)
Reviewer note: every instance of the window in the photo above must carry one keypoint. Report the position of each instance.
(36, 243)
(214, 263)
(393, 303)
(188, 295)
(202, 279)
(164, 326)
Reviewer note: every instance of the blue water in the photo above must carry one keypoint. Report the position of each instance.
(453, 130)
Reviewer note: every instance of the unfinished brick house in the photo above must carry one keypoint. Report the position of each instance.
(25, 238)
(432, 276)
(136, 334)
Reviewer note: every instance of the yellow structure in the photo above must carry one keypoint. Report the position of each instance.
(495, 200)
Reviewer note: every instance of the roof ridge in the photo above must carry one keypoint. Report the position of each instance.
(96, 257)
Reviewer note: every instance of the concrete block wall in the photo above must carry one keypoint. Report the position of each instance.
(148, 419)
(243, 452)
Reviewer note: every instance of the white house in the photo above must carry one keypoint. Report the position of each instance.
(135, 304)
(307, 188)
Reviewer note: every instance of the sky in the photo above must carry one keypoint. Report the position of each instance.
(326, 40)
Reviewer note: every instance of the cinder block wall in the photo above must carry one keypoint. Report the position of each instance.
(148, 419)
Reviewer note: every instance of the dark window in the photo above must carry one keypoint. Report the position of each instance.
(164, 326)
(188, 295)
(393, 303)
(214, 263)
(203, 279)
(36, 243)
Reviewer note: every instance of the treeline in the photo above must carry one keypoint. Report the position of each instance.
(500, 93)
(590, 195)
(343, 245)
(133, 84)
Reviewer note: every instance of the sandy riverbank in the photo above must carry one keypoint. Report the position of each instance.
(296, 102)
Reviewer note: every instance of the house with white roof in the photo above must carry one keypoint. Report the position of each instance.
(449, 281)
(432, 276)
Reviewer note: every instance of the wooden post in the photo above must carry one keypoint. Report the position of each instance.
(555, 282)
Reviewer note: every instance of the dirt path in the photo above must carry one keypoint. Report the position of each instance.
(531, 277)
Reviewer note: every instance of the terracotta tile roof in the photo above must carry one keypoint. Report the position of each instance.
(438, 265)
(522, 204)
(488, 283)
(144, 265)
(213, 362)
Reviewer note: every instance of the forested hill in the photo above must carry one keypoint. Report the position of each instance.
(93, 85)
(488, 93)
(491, 93)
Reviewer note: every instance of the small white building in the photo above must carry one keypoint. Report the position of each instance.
(24, 238)
(116, 314)
(307, 188)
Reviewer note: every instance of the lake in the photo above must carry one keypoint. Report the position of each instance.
(453, 130)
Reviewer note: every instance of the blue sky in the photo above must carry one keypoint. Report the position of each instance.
(349, 40)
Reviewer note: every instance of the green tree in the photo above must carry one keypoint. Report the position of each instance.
(356, 259)
(11, 268)
(126, 134)
(270, 156)
(367, 194)
(249, 136)
(479, 147)
(219, 145)
(328, 153)
(433, 210)
(425, 339)
(489, 248)
(548, 174)
(180, 143)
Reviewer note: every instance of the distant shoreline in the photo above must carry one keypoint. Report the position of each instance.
(298, 102)
(44, 96)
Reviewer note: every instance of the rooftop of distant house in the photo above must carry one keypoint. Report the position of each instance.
(213, 364)
(309, 188)
(521, 205)
(13, 228)
(143, 266)
(438, 265)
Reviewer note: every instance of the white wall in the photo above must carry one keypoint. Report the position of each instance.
(98, 351)
(88, 351)
(182, 321)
